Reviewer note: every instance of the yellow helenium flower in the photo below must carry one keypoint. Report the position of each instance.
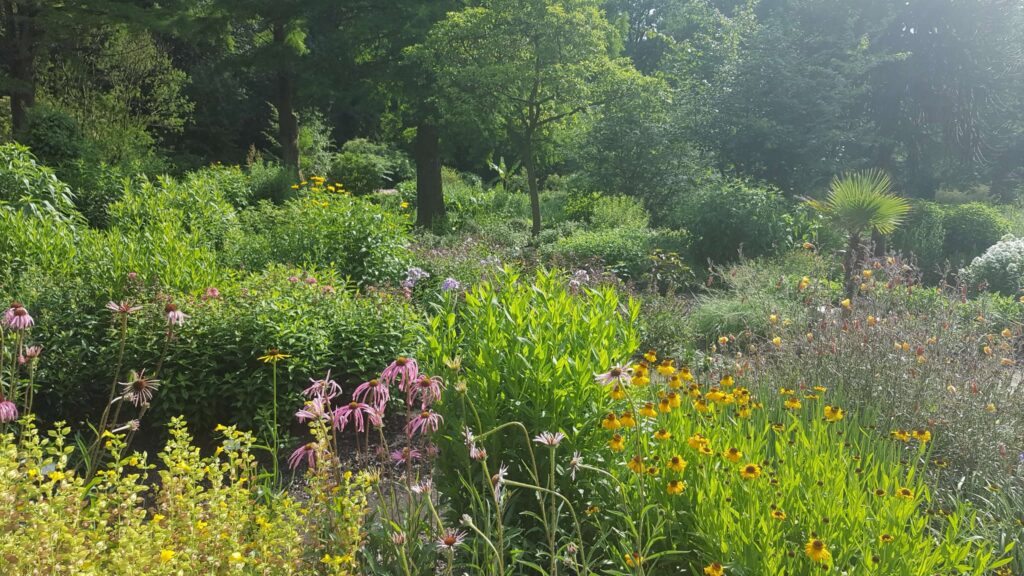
(905, 493)
(664, 406)
(627, 420)
(821, 389)
(901, 435)
(727, 381)
(166, 555)
(273, 356)
(714, 569)
(816, 550)
(833, 414)
(750, 471)
(729, 399)
(617, 393)
(705, 451)
(921, 435)
(744, 412)
(674, 400)
(701, 406)
(677, 464)
(633, 560)
(723, 340)
(610, 422)
(686, 374)
(785, 391)
(886, 538)
(648, 410)
(651, 356)
(777, 341)
(1006, 333)
(636, 464)
(696, 441)
(778, 514)
(617, 443)
(732, 454)
(666, 368)
(774, 318)
(675, 382)
(693, 391)
(662, 435)
(675, 487)
(792, 403)
(714, 396)
(846, 303)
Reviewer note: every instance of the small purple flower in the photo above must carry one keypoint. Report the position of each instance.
(450, 284)
(414, 275)
(357, 412)
(123, 307)
(305, 452)
(325, 388)
(549, 439)
(313, 410)
(374, 393)
(8, 411)
(17, 317)
(450, 539)
(175, 317)
(426, 421)
(139, 388)
(404, 370)
(405, 455)
(427, 389)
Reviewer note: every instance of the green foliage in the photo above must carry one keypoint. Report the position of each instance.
(529, 349)
(228, 183)
(53, 136)
(269, 181)
(213, 372)
(363, 167)
(728, 217)
(1000, 268)
(860, 202)
(970, 229)
(31, 188)
(316, 148)
(361, 240)
(924, 236)
(96, 186)
(618, 211)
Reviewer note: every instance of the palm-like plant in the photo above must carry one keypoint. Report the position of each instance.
(859, 203)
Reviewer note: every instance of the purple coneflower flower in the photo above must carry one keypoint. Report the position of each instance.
(327, 289)
(450, 539)
(211, 294)
(139, 389)
(616, 375)
(8, 411)
(17, 317)
(450, 284)
(130, 426)
(404, 370)
(313, 410)
(477, 453)
(432, 450)
(405, 455)
(427, 389)
(293, 279)
(575, 463)
(174, 316)
(305, 452)
(310, 280)
(398, 538)
(549, 438)
(357, 412)
(373, 393)
(422, 487)
(122, 307)
(498, 482)
(325, 388)
(30, 353)
(426, 421)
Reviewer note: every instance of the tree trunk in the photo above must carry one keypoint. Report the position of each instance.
(532, 185)
(850, 264)
(429, 192)
(20, 44)
(288, 122)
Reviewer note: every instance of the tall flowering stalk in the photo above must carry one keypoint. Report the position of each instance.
(273, 357)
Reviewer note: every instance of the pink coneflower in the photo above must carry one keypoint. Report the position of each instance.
(305, 452)
(211, 294)
(30, 353)
(403, 370)
(427, 389)
(477, 453)
(325, 388)
(311, 280)
(432, 450)
(498, 482)
(139, 389)
(575, 463)
(616, 375)
(130, 426)
(422, 487)
(405, 455)
(549, 438)
(293, 279)
(174, 316)
(426, 421)
(374, 393)
(327, 289)
(122, 307)
(17, 317)
(8, 411)
(398, 538)
(313, 410)
(357, 412)
(450, 539)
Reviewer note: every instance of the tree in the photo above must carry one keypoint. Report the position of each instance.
(531, 65)
(860, 203)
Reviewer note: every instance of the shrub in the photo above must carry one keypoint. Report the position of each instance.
(207, 514)
(618, 211)
(269, 181)
(1000, 268)
(228, 183)
(625, 250)
(363, 167)
(96, 186)
(358, 238)
(26, 186)
(53, 136)
(970, 229)
(527, 351)
(924, 235)
(727, 217)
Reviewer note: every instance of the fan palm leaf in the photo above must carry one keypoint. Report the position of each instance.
(861, 201)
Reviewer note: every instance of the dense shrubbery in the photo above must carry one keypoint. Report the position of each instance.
(1000, 268)
(29, 187)
(363, 167)
(970, 229)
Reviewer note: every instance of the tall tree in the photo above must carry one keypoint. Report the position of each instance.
(533, 65)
